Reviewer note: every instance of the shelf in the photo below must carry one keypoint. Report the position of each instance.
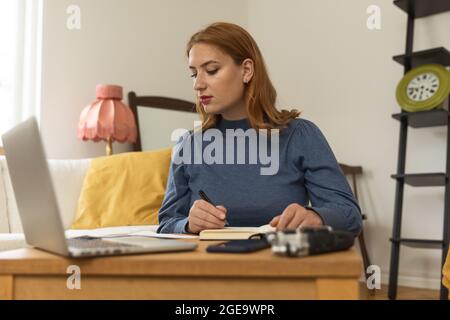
(423, 8)
(421, 119)
(420, 243)
(422, 179)
(439, 55)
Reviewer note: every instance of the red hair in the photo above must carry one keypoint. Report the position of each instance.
(259, 94)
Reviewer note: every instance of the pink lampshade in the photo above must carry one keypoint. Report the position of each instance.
(107, 117)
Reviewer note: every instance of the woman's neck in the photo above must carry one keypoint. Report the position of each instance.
(236, 112)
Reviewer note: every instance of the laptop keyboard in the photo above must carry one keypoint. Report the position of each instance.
(93, 243)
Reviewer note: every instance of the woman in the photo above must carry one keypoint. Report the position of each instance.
(235, 94)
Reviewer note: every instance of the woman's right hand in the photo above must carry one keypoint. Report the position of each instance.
(203, 215)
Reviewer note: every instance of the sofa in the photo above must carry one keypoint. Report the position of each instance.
(67, 194)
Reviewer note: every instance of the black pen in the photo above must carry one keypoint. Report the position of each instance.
(204, 197)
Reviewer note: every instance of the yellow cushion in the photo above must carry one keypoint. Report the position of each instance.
(446, 272)
(122, 190)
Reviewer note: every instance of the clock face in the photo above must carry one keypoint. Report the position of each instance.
(423, 86)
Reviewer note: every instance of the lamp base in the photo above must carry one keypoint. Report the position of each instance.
(109, 149)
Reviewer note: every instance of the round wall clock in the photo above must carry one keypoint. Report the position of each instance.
(423, 88)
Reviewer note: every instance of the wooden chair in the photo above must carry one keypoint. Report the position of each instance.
(155, 102)
(353, 172)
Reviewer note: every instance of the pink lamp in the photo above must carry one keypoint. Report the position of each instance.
(107, 118)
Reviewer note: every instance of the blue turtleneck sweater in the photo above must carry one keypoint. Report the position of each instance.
(306, 173)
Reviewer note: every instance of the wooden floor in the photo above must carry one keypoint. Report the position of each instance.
(403, 293)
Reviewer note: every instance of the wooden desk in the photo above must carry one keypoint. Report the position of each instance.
(35, 274)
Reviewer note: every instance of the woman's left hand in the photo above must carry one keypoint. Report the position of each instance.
(296, 216)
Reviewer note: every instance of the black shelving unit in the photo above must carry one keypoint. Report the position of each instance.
(422, 179)
(422, 8)
(422, 119)
(437, 117)
(420, 243)
(438, 55)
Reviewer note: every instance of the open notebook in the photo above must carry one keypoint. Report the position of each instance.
(234, 233)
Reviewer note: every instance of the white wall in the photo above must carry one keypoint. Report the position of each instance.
(138, 44)
(325, 61)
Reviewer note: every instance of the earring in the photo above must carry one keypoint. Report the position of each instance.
(245, 81)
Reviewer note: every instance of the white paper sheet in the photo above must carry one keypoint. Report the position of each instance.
(112, 232)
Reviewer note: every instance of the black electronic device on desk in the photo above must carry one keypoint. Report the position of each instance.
(309, 241)
(239, 246)
(293, 243)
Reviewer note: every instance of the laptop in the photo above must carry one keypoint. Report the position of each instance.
(38, 207)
